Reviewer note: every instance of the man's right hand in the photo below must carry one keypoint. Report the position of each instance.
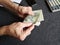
(17, 30)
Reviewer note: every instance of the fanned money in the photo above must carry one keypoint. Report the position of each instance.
(36, 18)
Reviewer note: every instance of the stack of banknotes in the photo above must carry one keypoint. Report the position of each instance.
(36, 18)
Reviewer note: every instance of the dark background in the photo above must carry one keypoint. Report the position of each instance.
(48, 33)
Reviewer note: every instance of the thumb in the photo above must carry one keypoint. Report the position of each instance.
(27, 24)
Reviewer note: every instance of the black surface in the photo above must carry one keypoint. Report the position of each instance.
(31, 2)
(48, 33)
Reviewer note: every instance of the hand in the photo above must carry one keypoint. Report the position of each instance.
(22, 10)
(16, 30)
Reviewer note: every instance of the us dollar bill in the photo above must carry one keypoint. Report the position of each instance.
(36, 18)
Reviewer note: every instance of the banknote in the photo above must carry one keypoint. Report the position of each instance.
(36, 18)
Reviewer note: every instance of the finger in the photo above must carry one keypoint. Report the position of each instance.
(23, 37)
(21, 15)
(30, 29)
(24, 10)
(30, 12)
(26, 24)
(26, 33)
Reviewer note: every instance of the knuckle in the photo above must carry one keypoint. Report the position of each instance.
(19, 24)
(30, 7)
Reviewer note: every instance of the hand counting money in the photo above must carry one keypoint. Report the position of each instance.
(36, 18)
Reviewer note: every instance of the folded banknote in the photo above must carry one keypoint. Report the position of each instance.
(36, 18)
